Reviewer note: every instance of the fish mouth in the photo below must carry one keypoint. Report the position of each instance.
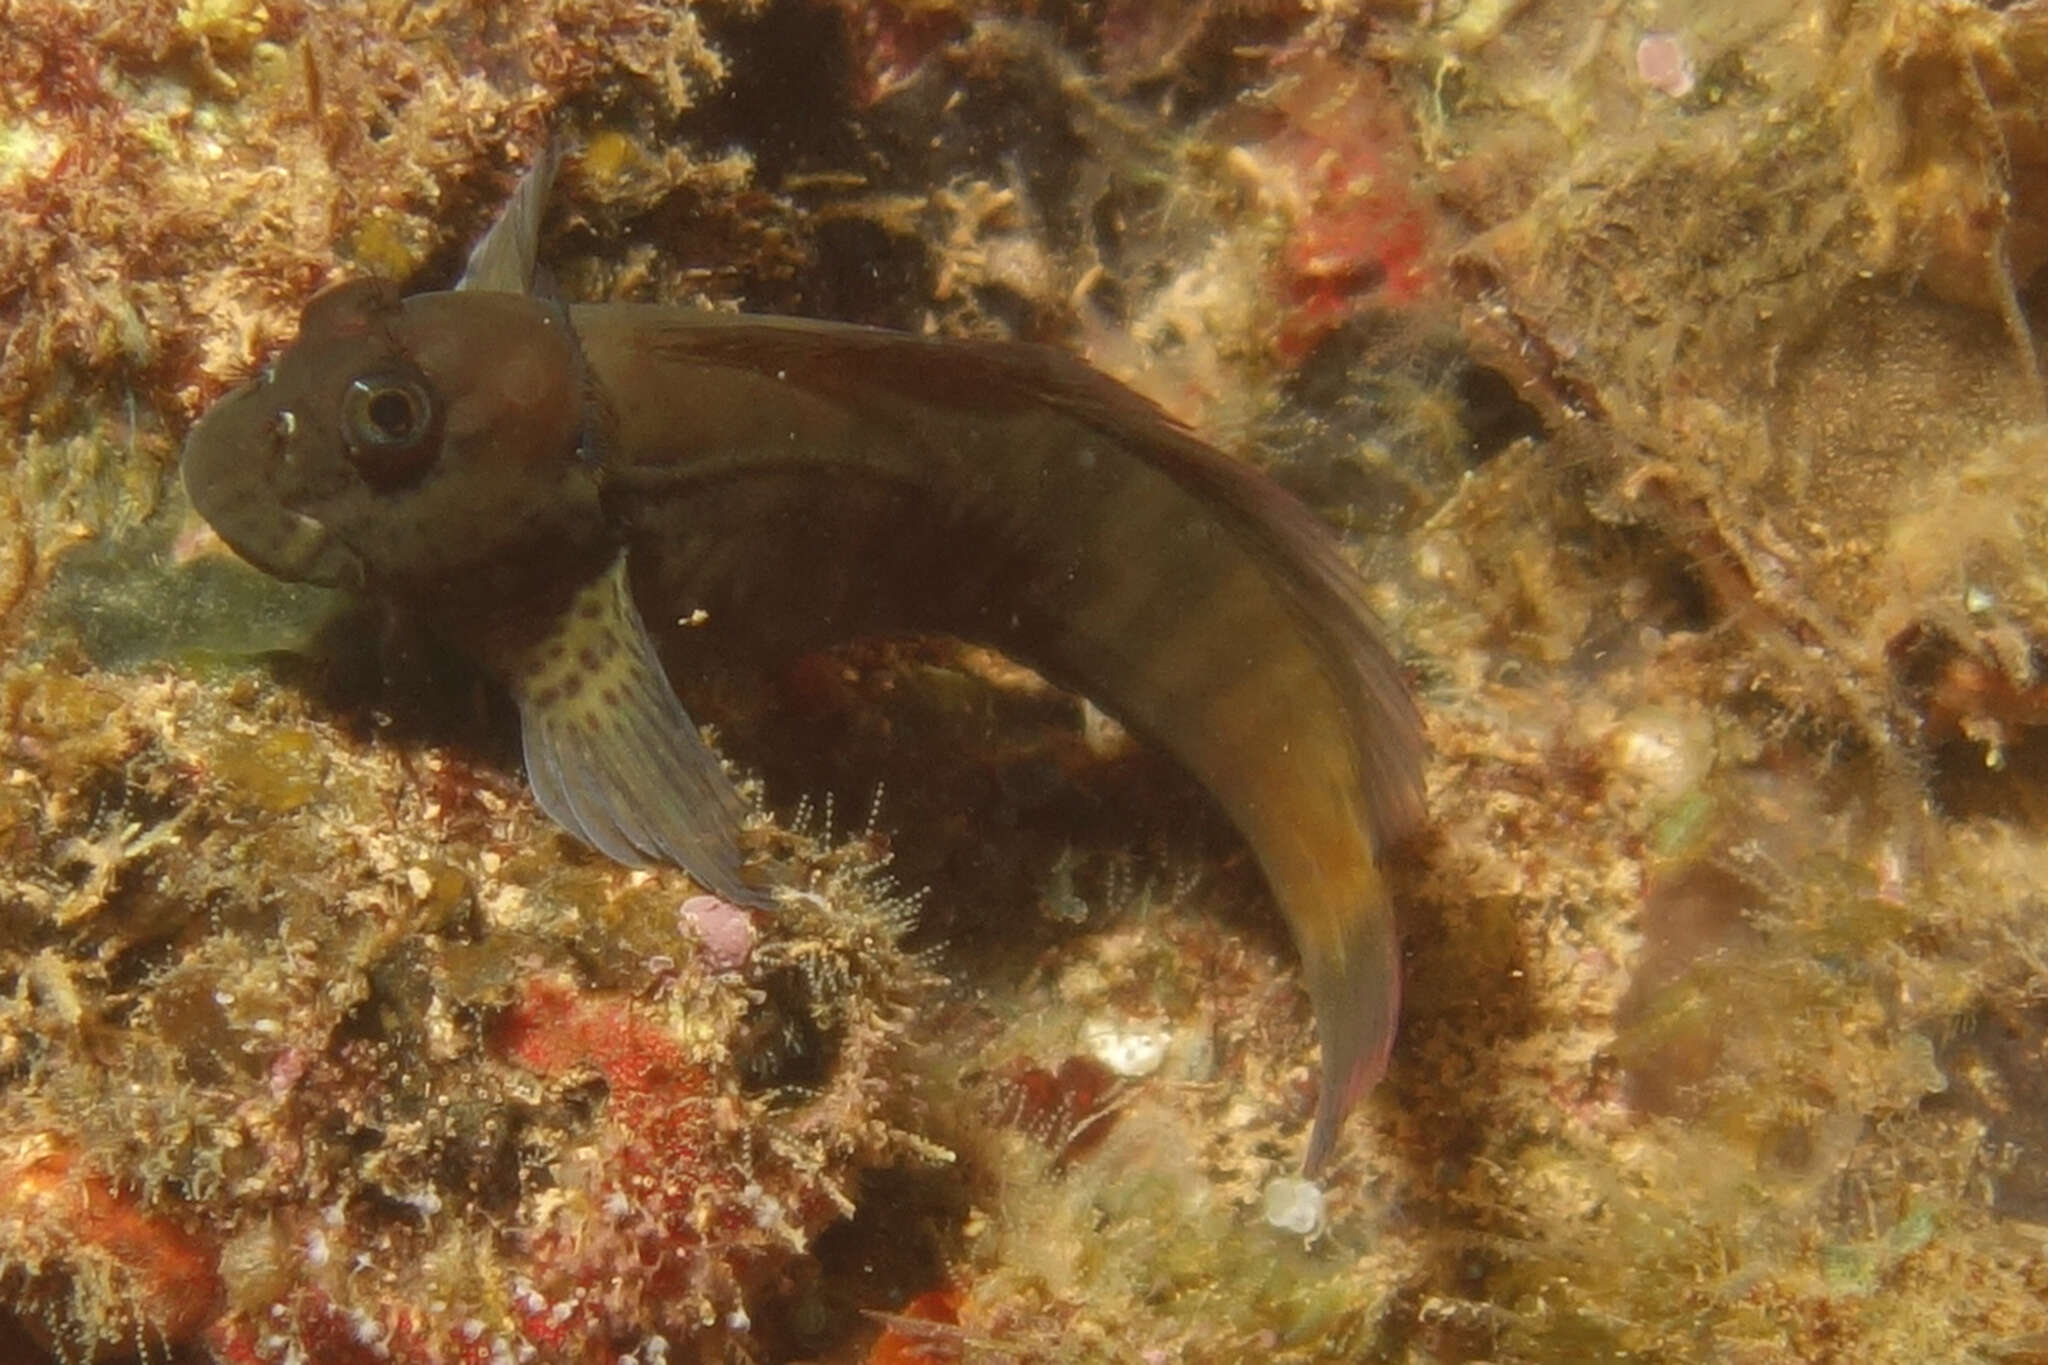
(230, 474)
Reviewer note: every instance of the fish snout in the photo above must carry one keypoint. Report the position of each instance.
(229, 468)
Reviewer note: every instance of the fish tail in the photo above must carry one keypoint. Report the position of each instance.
(1351, 958)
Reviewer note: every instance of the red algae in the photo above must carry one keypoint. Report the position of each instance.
(663, 1137)
(915, 1336)
(1066, 1109)
(1342, 166)
(63, 1220)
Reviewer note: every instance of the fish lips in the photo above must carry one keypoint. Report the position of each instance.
(231, 471)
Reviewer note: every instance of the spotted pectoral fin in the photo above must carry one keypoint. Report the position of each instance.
(612, 755)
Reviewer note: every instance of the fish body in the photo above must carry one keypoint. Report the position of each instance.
(527, 476)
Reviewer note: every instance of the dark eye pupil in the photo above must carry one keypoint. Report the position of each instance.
(389, 422)
(391, 412)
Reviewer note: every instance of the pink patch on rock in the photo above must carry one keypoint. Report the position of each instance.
(725, 930)
(1662, 64)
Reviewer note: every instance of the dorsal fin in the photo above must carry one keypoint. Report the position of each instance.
(504, 257)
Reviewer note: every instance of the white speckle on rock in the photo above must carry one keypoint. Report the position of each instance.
(1295, 1205)
(1669, 752)
(1126, 1046)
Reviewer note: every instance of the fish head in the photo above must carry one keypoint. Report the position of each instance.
(403, 446)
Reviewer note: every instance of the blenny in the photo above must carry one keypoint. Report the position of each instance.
(525, 475)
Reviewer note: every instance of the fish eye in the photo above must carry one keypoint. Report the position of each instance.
(390, 419)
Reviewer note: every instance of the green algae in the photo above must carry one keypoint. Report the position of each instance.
(125, 605)
(275, 773)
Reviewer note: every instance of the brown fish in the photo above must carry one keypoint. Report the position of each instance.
(517, 472)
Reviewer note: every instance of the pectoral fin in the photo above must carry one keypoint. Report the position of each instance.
(612, 755)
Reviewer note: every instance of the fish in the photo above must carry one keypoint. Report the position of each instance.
(534, 479)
